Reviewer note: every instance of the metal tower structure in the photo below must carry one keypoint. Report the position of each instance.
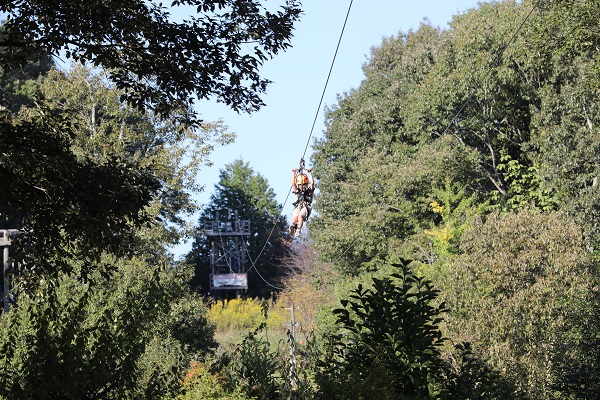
(228, 252)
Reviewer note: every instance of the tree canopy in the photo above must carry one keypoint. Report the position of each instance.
(86, 174)
(474, 150)
(496, 109)
(86, 170)
(158, 62)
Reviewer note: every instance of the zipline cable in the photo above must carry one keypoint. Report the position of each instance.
(327, 81)
(256, 269)
(306, 147)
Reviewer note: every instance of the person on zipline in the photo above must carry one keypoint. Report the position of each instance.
(303, 186)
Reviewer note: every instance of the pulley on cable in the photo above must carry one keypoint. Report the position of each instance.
(303, 186)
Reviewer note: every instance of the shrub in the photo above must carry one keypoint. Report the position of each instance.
(389, 347)
(244, 314)
(201, 382)
(235, 314)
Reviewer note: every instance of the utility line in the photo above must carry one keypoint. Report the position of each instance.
(327, 81)
(306, 147)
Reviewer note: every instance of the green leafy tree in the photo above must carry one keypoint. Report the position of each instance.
(107, 129)
(390, 347)
(348, 202)
(99, 191)
(376, 170)
(105, 177)
(157, 62)
(64, 197)
(500, 110)
(130, 334)
(78, 178)
(523, 289)
(491, 104)
(240, 189)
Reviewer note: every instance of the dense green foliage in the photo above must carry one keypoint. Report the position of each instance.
(525, 291)
(98, 168)
(155, 61)
(474, 150)
(240, 189)
(392, 336)
(390, 347)
(387, 344)
(130, 334)
(88, 175)
(98, 302)
(506, 119)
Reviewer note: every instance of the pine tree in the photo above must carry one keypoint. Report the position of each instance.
(242, 190)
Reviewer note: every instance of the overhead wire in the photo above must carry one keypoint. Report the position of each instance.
(327, 80)
(257, 272)
(253, 266)
(452, 120)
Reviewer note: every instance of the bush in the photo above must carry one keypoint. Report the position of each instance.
(202, 383)
(389, 347)
(235, 314)
(524, 289)
(118, 335)
(232, 316)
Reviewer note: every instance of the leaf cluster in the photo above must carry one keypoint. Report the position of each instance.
(499, 105)
(65, 198)
(523, 289)
(158, 63)
(120, 335)
(390, 347)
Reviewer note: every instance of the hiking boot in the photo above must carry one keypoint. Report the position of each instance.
(293, 229)
(297, 233)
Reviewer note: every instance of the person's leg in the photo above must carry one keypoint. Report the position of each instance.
(294, 225)
(300, 221)
(299, 225)
(301, 217)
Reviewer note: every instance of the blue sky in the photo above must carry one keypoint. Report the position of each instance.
(273, 139)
